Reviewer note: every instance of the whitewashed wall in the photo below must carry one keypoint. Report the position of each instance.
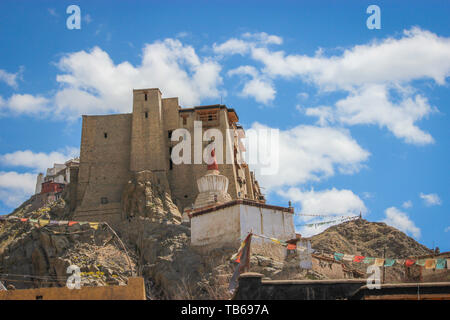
(267, 222)
(232, 224)
(216, 228)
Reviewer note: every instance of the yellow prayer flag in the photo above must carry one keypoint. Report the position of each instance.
(379, 262)
(43, 223)
(275, 240)
(430, 264)
(94, 225)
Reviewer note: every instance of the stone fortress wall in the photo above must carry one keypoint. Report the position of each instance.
(113, 147)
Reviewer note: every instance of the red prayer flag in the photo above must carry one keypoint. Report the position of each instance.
(71, 223)
(291, 246)
(24, 220)
(358, 258)
(409, 262)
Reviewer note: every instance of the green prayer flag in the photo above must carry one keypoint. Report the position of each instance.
(440, 264)
(421, 262)
(389, 262)
(368, 260)
(338, 256)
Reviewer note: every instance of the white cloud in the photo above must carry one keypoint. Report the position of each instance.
(259, 87)
(431, 199)
(92, 83)
(372, 75)
(103, 86)
(371, 105)
(418, 54)
(243, 46)
(447, 229)
(19, 104)
(309, 153)
(40, 161)
(16, 187)
(329, 203)
(407, 204)
(401, 221)
(11, 78)
(326, 202)
(232, 46)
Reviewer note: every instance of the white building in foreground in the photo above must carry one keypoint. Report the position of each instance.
(218, 221)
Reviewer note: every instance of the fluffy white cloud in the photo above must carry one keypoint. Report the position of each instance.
(326, 202)
(401, 221)
(306, 153)
(329, 203)
(418, 54)
(10, 78)
(371, 105)
(371, 74)
(40, 161)
(407, 204)
(259, 87)
(16, 187)
(431, 199)
(19, 104)
(92, 83)
(248, 42)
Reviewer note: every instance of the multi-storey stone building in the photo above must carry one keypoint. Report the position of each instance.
(113, 147)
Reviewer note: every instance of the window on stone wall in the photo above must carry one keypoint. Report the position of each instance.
(105, 134)
(146, 114)
(207, 116)
(145, 97)
(104, 200)
(170, 159)
(184, 121)
(169, 133)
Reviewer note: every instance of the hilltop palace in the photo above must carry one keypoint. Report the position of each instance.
(221, 200)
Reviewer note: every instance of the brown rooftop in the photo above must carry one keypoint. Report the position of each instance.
(200, 211)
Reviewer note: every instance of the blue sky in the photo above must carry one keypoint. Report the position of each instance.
(363, 114)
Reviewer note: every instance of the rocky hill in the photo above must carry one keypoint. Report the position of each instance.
(158, 248)
(368, 239)
(373, 239)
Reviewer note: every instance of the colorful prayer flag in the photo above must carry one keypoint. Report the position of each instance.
(379, 262)
(348, 257)
(430, 264)
(389, 262)
(368, 260)
(243, 262)
(440, 264)
(421, 262)
(43, 223)
(291, 246)
(24, 220)
(71, 223)
(93, 225)
(338, 256)
(410, 262)
(358, 258)
(400, 262)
